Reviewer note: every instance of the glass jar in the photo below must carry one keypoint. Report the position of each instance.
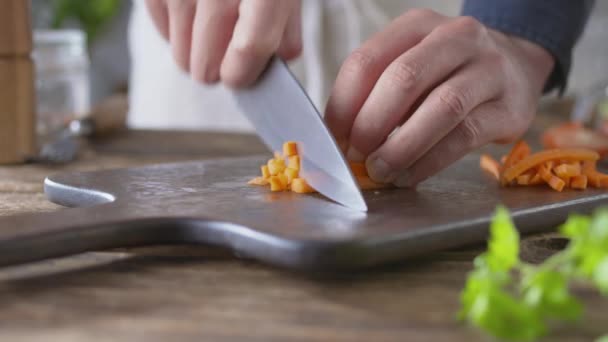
(62, 80)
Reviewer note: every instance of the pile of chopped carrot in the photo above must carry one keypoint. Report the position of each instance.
(572, 168)
(282, 173)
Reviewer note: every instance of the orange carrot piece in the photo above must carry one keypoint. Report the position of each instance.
(276, 166)
(524, 179)
(265, 171)
(536, 179)
(276, 184)
(358, 169)
(554, 182)
(567, 170)
(284, 180)
(594, 177)
(291, 174)
(579, 182)
(258, 181)
(533, 160)
(519, 151)
(294, 162)
(490, 165)
(300, 186)
(290, 148)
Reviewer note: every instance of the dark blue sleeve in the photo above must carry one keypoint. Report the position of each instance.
(555, 25)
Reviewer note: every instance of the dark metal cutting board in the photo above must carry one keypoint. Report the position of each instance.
(209, 202)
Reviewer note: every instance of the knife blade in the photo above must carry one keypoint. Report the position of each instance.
(280, 110)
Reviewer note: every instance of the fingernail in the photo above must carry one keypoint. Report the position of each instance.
(403, 180)
(354, 155)
(380, 171)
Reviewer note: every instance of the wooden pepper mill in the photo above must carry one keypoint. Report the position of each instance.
(17, 91)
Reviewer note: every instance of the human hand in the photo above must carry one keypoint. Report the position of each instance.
(442, 86)
(228, 40)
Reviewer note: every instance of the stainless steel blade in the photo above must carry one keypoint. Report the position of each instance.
(280, 111)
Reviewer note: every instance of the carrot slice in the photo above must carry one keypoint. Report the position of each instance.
(520, 151)
(575, 135)
(579, 182)
(358, 169)
(490, 165)
(290, 148)
(534, 160)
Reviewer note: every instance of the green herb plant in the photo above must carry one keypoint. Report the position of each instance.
(514, 300)
(92, 15)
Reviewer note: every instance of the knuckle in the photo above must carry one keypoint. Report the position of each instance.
(254, 48)
(455, 101)
(468, 27)
(359, 61)
(403, 75)
(469, 132)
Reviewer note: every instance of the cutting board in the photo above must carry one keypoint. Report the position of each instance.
(208, 202)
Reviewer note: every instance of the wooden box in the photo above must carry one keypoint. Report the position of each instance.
(17, 110)
(15, 28)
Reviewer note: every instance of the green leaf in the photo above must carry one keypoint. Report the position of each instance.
(547, 292)
(602, 339)
(503, 246)
(600, 275)
(575, 226)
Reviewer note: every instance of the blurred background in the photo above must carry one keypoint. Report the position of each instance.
(115, 27)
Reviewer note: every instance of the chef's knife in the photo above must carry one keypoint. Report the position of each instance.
(280, 110)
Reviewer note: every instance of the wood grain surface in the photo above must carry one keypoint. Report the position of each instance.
(15, 28)
(203, 294)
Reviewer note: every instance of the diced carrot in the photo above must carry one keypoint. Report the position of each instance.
(276, 166)
(566, 171)
(290, 148)
(519, 151)
(291, 174)
(594, 177)
(524, 179)
(358, 169)
(300, 186)
(542, 157)
(554, 182)
(276, 184)
(489, 165)
(294, 162)
(284, 180)
(265, 171)
(536, 179)
(579, 182)
(258, 181)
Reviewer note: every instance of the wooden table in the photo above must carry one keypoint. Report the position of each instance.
(204, 294)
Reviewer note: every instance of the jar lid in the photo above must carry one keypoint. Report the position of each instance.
(59, 37)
